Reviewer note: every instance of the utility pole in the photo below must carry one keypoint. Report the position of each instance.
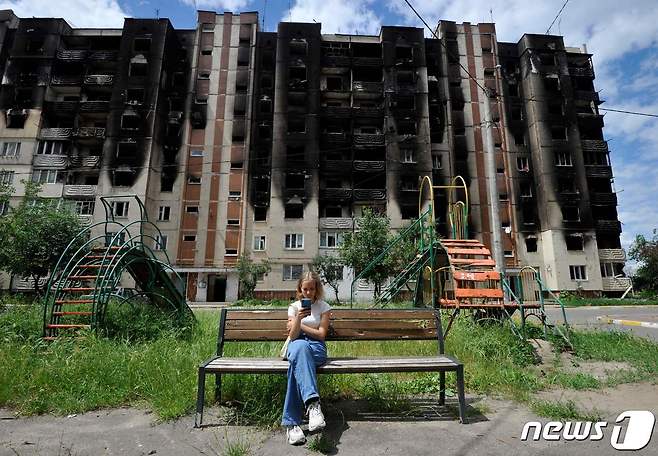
(492, 188)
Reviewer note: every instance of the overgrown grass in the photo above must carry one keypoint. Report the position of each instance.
(141, 360)
(567, 410)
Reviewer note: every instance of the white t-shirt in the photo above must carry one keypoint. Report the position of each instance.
(317, 309)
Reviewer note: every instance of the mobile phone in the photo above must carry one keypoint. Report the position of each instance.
(306, 303)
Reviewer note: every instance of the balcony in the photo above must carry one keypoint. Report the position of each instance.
(336, 223)
(369, 194)
(587, 95)
(367, 61)
(612, 255)
(175, 117)
(94, 106)
(103, 56)
(590, 119)
(81, 161)
(88, 191)
(335, 138)
(581, 71)
(598, 171)
(90, 132)
(56, 133)
(64, 107)
(336, 61)
(336, 111)
(296, 165)
(608, 225)
(337, 194)
(99, 79)
(72, 55)
(603, 199)
(594, 145)
(616, 283)
(369, 166)
(369, 139)
(368, 111)
(363, 86)
(66, 80)
(50, 161)
(336, 166)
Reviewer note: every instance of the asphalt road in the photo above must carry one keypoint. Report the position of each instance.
(586, 317)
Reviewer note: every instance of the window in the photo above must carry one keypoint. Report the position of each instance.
(559, 132)
(563, 159)
(437, 162)
(160, 242)
(10, 149)
(233, 222)
(206, 51)
(574, 242)
(259, 243)
(578, 272)
(120, 208)
(503, 197)
(42, 176)
(237, 165)
(163, 213)
(111, 238)
(138, 68)
(196, 153)
(6, 177)
(508, 253)
(51, 148)
(4, 208)
(189, 238)
(204, 74)
(330, 239)
(294, 241)
(570, 214)
(85, 207)
(333, 211)
(192, 209)
(195, 180)
(531, 244)
(234, 195)
(523, 164)
(142, 44)
(525, 189)
(408, 156)
(231, 252)
(292, 271)
(260, 214)
(607, 270)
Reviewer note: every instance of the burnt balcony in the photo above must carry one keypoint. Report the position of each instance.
(297, 85)
(587, 95)
(612, 255)
(603, 199)
(368, 111)
(66, 79)
(369, 139)
(336, 111)
(94, 106)
(32, 78)
(369, 166)
(64, 107)
(77, 191)
(594, 145)
(336, 194)
(85, 161)
(73, 55)
(336, 223)
(598, 171)
(294, 192)
(261, 196)
(90, 132)
(404, 113)
(175, 117)
(16, 117)
(367, 61)
(56, 133)
(587, 72)
(366, 194)
(569, 197)
(367, 87)
(608, 225)
(99, 79)
(336, 61)
(296, 164)
(103, 56)
(336, 166)
(335, 138)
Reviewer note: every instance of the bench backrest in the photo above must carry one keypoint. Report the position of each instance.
(346, 324)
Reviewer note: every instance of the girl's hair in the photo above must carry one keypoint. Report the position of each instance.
(307, 277)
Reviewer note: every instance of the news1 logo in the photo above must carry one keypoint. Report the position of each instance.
(639, 427)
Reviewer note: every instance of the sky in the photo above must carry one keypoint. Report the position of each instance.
(622, 36)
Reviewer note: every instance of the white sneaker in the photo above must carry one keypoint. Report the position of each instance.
(295, 435)
(315, 417)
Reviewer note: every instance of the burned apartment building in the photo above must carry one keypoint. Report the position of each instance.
(271, 143)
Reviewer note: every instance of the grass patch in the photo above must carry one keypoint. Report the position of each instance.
(562, 410)
(142, 359)
(321, 444)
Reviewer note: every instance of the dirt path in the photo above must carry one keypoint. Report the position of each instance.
(351, 429)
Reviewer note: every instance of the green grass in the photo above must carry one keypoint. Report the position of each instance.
(563, 410)
(142, 360)
(321, 444)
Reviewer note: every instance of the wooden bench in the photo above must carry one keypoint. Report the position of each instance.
(270, 325)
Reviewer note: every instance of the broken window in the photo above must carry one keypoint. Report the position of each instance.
(574, 242)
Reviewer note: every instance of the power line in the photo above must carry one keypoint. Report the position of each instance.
(635, 113)
(558, 15)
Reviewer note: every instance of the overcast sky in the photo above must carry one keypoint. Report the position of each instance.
(623, 36)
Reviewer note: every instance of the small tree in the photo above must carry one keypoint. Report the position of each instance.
(34, 234)
(330, 269)
(645, 252)
(249, 272)
(361, 247)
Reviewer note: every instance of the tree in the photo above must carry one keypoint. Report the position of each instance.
(330, 269)
(645, 252)
(358, 249)
(34, 234)
(249, 272)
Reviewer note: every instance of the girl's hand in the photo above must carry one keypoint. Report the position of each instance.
(303, 313)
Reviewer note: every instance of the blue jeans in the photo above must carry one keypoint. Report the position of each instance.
(304, 355)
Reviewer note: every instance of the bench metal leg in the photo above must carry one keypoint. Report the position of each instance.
(460, 394)
(218, 387)
(200, 396)
(442, 388)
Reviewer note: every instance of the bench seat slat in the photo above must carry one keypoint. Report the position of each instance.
(337, 314)
(336, 324)
(335, 365)
(338, 334)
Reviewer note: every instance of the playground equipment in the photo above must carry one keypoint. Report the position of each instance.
(459, 273)
(89, 272)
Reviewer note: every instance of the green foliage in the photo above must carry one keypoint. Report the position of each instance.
(563, 411)
(358, 249)
(249, 272)
(645, 252)
(321, 444)
(330, 269)
(34, 234)
(133, 322)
